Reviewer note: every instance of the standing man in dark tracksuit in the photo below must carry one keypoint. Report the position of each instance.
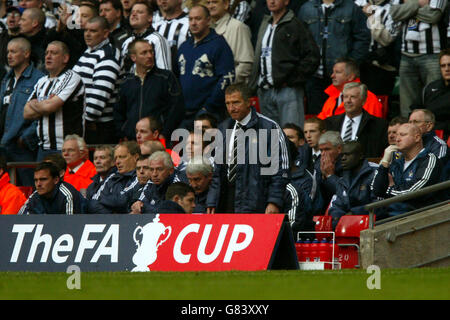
(240, 184)
(52, 196)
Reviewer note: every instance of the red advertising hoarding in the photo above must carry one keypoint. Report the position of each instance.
(173, 242)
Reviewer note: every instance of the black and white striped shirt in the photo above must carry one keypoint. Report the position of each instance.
(52, 128)
(174, 30)
(265, 78)
(99, 68)
(160, 44)
(419, 37)
(242, 10)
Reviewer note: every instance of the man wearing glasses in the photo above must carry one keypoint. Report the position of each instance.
(424, 119)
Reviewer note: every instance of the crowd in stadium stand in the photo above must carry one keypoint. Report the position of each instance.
(301, 107)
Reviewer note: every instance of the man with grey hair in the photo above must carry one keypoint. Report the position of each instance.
(162, 175)
(199, 173)
(330, 146)
(18, 136)
(358, 124)
(80, 169)
(57, 101)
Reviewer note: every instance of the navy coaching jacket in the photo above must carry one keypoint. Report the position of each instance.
(254, 190)
(64, 199)
(424, 171)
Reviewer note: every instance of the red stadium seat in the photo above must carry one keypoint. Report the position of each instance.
(440, 133)
(348, 231)
(385, 105)
(323, 223)
(255, 103)
(27, 190)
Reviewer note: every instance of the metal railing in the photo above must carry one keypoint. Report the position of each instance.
(405, 197)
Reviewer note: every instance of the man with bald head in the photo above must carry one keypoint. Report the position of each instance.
(32, 27)
(416, 168)
(18, 136)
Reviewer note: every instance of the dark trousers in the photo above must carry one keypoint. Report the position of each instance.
(100, 133)
(227, 196)
(17, 153)
(315, 95)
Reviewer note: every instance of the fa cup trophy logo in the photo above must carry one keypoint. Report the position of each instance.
(146, 250)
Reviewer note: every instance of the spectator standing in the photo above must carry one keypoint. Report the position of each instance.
(50, 20)
(149, 91)
(346, 70)
(13, 15)
(99, 68)
(173, 25)
(205, 67)
(339, 29)
(241, 184)
(19, 139)
(32, 27)
(11, 197)
(422, 40)
(112, 11)
(380, 69)
(52, 196)
(436, 95)
(57, 101)
(237, 34)
(285, 58)
(141, 23)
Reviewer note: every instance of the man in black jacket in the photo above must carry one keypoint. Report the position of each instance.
(285, 57)
(357, 124)
(436, 95)
(149, 91)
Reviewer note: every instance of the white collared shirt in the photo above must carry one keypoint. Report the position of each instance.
(243, 122)
(355, 126)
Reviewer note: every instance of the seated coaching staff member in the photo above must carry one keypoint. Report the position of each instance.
(52, 196)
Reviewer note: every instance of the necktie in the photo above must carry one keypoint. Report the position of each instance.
(348, 131)
(232, 166)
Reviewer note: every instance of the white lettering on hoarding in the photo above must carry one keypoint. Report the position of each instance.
(109, 245)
